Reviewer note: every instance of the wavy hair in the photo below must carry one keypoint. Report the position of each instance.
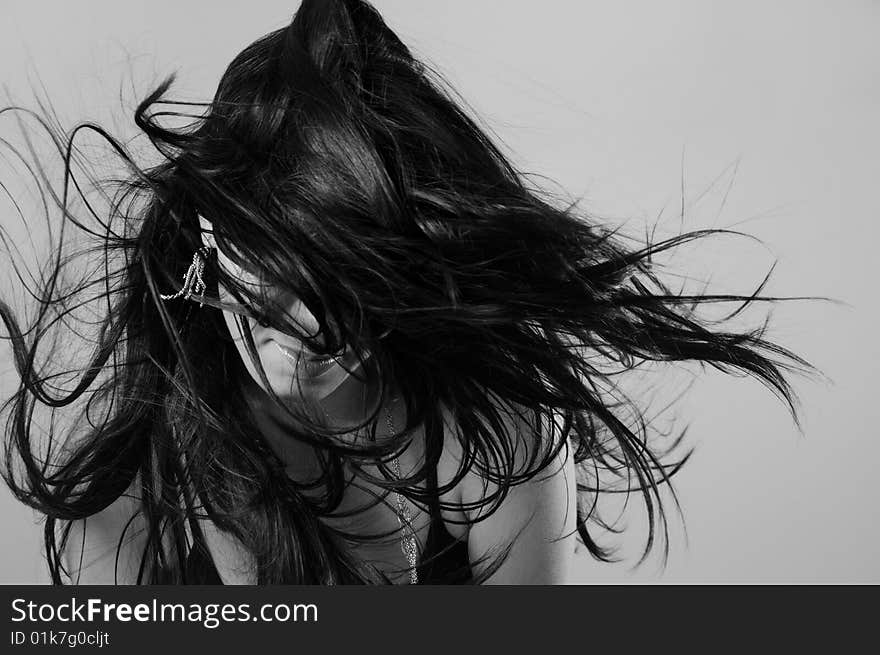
(340, 169)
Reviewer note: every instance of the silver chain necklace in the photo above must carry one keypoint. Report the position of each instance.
(408, 543)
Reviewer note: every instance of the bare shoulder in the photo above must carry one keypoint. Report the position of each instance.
(525, 504)
(525, 437)
(107, 547)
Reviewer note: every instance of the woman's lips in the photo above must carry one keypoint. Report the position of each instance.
(309, 365)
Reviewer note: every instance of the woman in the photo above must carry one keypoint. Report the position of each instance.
(340, 341)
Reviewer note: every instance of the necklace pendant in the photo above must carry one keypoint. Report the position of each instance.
(408, 544)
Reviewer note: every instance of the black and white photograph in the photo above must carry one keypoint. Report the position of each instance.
(337, 292)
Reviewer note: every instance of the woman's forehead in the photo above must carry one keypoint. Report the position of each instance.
(223, 259)
(225, 255)
(205, 225)
(207, 234)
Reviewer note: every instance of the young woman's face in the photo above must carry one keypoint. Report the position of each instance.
(294, 374)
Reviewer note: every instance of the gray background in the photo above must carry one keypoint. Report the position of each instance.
(762, 114)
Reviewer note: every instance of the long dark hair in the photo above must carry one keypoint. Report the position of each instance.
(340, 169)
